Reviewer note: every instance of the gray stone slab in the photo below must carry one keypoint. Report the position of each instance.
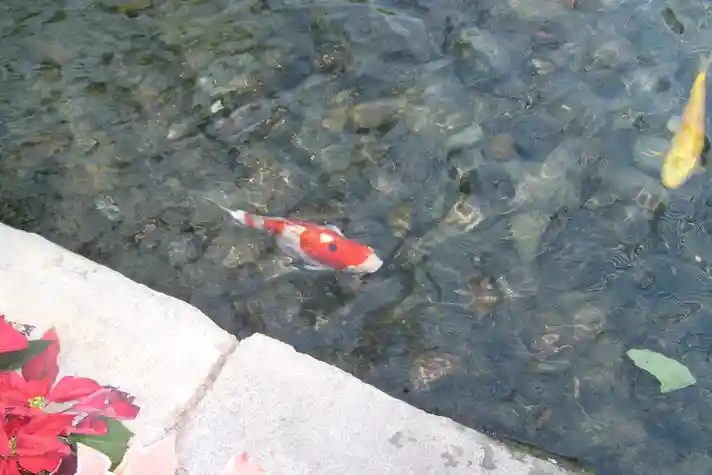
(158, 348)
(296, 415)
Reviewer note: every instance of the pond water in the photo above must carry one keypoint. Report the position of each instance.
(501, 155)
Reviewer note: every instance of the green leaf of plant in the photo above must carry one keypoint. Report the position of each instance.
(14, 360)
(671, 374)
(113, 444)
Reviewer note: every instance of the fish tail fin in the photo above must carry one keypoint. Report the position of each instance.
(241, 217)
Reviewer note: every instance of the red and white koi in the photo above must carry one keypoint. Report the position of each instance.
(321, 247)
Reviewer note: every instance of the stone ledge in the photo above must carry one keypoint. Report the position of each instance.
(297, 415)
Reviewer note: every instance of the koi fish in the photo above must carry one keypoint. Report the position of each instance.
(319, 247)
(682, 158)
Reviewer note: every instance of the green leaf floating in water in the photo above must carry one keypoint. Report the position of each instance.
(671, 374)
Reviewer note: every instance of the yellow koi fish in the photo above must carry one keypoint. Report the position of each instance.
(683, 157)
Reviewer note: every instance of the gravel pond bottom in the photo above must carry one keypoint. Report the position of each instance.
(502, 156)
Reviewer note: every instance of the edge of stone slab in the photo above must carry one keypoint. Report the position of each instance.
(265, 372)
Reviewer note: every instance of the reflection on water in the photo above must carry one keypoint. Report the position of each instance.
(500, 154)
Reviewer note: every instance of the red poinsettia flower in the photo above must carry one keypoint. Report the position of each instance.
(35, 388)
(32, 443)
(29, 393)
(10, 338)
(106, 403)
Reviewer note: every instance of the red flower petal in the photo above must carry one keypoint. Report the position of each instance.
(12, 389)
(91, 425)
(14, 423)
(108, 402)
(21, 411)
(240, 464)
(71, 388)
(31, 445)
(44, 367)
(29, 389)
(47, 425)
(47, 463)
(10, 339)
(9, 467)
(123, 410)
(4, 443)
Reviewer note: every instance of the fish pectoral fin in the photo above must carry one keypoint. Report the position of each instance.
(308, 263)
(288, 249)
(335, 228)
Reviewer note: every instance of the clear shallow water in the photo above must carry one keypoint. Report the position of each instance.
(499, 155)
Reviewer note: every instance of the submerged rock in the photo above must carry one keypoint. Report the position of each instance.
(371, 115)
(373, 29)
(336, 158)
(108, 207)
(637, 187)
(466, 214)
(183, 250)
(465, 138)
(335, 120)
(476, 42)
(428, 368)
(588, 322)
(400, 219)
(481, 293)
(527, 229)
(502, 146)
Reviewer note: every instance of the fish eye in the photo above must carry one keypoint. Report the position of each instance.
(332, 247)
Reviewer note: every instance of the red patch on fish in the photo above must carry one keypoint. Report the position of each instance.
(332, 250)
